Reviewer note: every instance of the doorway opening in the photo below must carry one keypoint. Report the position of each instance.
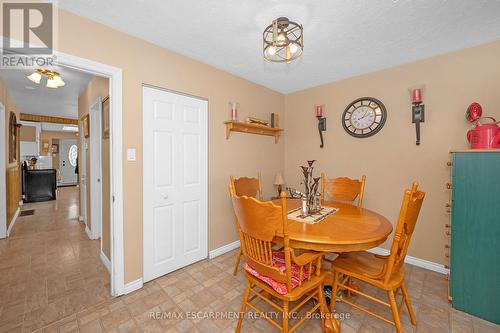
(51, 149)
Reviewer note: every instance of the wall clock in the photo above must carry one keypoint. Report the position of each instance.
(364, 117)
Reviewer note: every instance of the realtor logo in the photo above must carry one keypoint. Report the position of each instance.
(28, 34)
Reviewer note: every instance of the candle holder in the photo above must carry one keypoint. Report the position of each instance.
(417, 110)
(321, 123)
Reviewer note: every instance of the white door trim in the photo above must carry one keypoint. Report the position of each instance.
(114, 74)
(95, 168)
(3, 173)
(82, 174)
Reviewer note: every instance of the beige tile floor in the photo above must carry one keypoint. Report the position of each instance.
(49, 268)
(207, 286)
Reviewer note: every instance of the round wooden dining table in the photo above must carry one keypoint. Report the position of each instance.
(349, 229)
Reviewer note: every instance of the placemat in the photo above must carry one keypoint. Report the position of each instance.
(297, 215)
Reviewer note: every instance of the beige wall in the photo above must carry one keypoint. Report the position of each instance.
(28, 133)
(143, 62)
(390, 159)
(98, 87)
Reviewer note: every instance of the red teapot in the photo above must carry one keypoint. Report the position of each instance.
(485, 136)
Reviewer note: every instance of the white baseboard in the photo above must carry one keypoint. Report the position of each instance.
(223, 249)
(88, 232)
(13, 221)
(432, 266)
(106, 262)
(133, 286)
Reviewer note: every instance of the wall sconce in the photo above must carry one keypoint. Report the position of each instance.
(321, 122)
(417, 110)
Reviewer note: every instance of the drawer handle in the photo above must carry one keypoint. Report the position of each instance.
(447, 205)
(447, 255)
(446, 266)
(447, 225)
(448, 233)
(447, 246)
(449, 163)
(448, 186)
(448, 210)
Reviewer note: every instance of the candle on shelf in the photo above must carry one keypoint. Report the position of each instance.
(319, 111)
(234, 106)
(416, 96)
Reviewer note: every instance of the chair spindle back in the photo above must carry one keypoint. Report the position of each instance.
(343, 189)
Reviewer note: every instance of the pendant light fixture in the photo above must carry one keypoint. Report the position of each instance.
(54, 79)
(283, 41)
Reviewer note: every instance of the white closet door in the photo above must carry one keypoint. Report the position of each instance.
(175, 181)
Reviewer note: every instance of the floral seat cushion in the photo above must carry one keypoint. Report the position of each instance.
(279, 262)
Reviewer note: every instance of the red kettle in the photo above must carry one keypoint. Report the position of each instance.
(484, 136)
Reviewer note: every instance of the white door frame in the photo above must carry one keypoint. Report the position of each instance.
(95, 169)
(114, 74)
(82, 170)
(3, 173)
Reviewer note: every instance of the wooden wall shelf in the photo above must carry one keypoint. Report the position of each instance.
(235, 126)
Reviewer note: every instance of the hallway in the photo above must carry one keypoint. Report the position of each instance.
(49, 269)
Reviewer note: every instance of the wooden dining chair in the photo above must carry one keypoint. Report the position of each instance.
(384, 272)
(250, 187)
(277, 275)
(342, 189)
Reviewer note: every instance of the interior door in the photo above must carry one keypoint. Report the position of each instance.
(94, 176)
(82, 169)
(68, 152)
(175, 181)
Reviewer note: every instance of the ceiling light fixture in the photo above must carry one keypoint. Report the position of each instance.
(54, 79)
(283, 41)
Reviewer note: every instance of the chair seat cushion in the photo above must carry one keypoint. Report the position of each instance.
(279, 262)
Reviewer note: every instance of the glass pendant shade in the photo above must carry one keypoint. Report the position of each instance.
(35, 77)
(51, 83)
(58, 81)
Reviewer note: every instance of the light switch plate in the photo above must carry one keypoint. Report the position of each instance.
(131, 154)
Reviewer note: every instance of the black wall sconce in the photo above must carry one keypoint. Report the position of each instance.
(321, 122)
(417, 111)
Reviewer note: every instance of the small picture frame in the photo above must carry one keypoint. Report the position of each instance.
(105, 118)
(86, 128)
(55, 148)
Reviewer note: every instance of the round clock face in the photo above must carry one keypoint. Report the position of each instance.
(364, 117)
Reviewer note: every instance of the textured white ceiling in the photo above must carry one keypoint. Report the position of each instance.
(37, 99)
(342, 38)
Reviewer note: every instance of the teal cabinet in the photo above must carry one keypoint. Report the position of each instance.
(475, 234)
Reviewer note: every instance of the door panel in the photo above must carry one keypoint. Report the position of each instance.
(163, 225)
(191, 152)
(192, 226)
(175, 181)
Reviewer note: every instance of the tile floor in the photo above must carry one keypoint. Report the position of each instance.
(207, 286)
(49, 268)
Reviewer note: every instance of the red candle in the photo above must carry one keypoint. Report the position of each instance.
(416, 96)
(319, 111)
